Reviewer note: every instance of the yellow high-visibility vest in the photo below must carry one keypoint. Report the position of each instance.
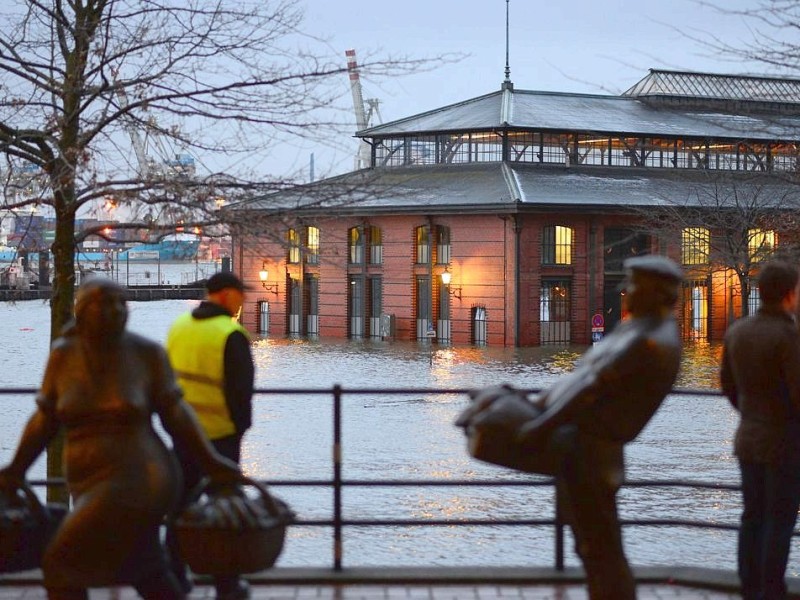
(196, 349)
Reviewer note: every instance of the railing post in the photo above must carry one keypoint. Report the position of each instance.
(338, 549)
(559, 530)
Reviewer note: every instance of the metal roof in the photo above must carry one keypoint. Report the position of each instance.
(715, 86)
(507, 187)
(595, 113)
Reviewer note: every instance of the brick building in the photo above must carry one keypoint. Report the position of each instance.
(504, 219)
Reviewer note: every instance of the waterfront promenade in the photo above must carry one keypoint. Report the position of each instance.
(132, 294)
(477, 583)
(397, 592)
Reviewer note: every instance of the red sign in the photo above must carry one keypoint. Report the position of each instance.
(598, 320)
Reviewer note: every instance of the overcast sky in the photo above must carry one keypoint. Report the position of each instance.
(586, 46)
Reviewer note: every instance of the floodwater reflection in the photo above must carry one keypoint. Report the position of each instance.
(325, 362)
(413, 437)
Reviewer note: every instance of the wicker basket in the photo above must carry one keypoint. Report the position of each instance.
(211, 548)
(26, 527)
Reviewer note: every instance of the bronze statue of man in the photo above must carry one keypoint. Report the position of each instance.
(576, 429)
(103, 384)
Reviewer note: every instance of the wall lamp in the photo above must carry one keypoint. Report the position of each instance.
(263, 275)
(454, 291)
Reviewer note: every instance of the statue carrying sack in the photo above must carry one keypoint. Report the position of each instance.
(492, 424)
(26, 527)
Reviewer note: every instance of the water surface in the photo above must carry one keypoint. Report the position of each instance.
(412, 437)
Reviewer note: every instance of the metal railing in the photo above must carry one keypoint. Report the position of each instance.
(338, 483)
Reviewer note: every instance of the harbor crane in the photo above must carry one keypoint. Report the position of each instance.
(366, 115)
(179, 165)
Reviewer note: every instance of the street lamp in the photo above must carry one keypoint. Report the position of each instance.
(454, 291)
(263, 275)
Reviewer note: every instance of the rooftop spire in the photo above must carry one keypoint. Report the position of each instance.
(507, 82)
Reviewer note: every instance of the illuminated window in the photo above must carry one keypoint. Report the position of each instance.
(557, 245)
(695, 245)
(760, 243)
(375, 246)
(355, 242)
(312, 243)
(293, 243)
(442, 245)
(423, 245)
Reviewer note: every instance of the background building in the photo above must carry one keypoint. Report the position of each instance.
(505, 219)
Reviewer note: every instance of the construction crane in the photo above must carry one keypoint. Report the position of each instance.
(365, 115)
(181, 165)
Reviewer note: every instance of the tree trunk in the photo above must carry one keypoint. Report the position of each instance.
(62, 303)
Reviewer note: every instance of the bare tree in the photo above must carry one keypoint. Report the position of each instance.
(773, 42)
(729, 222)
(217, 79)
(223, 80)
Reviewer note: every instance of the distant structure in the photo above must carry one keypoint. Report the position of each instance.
(366, 116)
(169, 165)
(505, 219)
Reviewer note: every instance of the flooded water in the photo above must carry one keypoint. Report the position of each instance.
(412, 437)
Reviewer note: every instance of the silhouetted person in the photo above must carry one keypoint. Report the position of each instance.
(588, 415)
(210, 352)
(760, 375)
(103, 384)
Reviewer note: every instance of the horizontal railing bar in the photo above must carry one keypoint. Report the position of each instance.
(337, 484)
(454, 483)
(397, 391)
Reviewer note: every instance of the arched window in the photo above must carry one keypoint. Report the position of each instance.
(557, 245)
(375, 246)
(293, 245)
(312, 245)
(442, 245)
(355, 245)
(422, 255)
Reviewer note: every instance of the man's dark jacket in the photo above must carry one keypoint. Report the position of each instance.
(760, 375)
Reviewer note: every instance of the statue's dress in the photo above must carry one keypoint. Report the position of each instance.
(122, 477)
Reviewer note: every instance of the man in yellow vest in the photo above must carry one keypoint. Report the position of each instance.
(210, 353)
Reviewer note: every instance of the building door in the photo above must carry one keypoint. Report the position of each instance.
(263, 317)
(295, 308)
(312, 302)
(423, 308)
(479, 325)
(554, 311)
(612, 301)
(695, 309)
(375, 304)
(356, 307)
(443, 323)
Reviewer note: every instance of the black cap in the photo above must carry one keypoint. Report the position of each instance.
(653, 264)
(224, 280)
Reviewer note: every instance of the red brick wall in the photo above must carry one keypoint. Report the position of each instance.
(484, 250)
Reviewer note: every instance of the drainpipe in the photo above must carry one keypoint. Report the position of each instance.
(592, 295)
(517, 270)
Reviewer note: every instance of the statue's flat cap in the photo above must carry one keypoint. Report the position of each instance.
(655, 265)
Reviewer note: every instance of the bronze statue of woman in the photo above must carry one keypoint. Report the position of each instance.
(103, 384)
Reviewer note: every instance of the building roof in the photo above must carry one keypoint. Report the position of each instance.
(632, 113)
(510, 187)
(714, 86)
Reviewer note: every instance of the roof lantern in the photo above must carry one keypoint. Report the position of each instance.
(710, 86)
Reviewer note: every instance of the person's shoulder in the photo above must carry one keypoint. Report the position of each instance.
(141, 342)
